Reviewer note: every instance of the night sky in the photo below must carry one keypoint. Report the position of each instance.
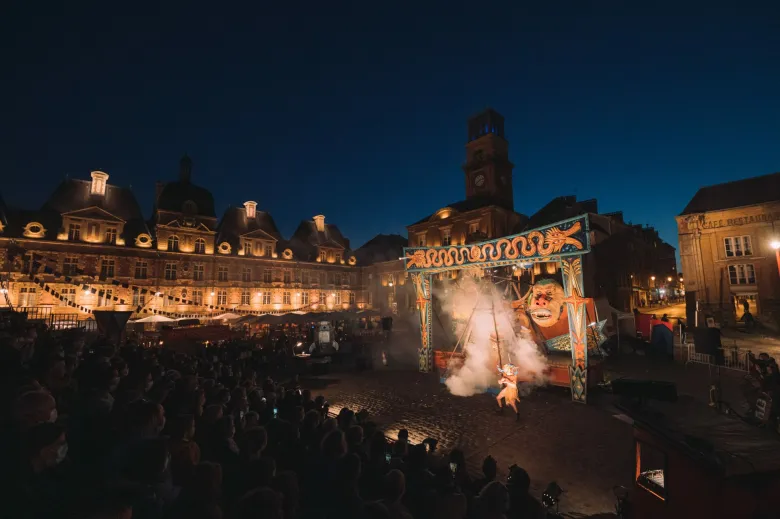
(359, 112)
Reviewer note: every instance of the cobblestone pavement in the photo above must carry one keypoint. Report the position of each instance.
(583, 448)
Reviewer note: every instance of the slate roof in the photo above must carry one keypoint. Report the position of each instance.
(235, 224)
(382, 247)
(738, 193)
(175, 194)
(462, 206)
(75, 195)
(307, 238)
(560, 208)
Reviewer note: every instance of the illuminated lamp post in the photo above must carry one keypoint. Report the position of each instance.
(776, 245)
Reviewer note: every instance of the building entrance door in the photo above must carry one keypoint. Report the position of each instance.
(745, 301)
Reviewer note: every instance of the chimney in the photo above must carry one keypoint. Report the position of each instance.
(99, 180)
(250, 209)
(185, 169)
(319, 221)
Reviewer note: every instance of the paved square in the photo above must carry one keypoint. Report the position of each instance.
(584, 448)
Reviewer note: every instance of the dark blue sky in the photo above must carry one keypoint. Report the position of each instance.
(359, 112)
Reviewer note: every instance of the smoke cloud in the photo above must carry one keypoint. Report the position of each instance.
(487, 310)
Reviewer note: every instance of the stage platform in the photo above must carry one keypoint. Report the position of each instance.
(557, 371)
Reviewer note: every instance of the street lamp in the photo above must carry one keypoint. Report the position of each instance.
(669, 279)
(776, 245)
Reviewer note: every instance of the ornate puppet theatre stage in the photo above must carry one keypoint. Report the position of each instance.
(517, 300)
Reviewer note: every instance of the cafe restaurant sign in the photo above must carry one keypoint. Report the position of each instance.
(703, 222)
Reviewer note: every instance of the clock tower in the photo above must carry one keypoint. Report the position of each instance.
(487, 168)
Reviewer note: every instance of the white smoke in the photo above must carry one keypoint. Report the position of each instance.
(488, 311)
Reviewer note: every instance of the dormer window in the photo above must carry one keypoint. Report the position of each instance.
(99, 180)
(74, 232)
(251, 209)
(323, 256)
(247, 248)
(173, 243)
(111, 235)
(200, 246)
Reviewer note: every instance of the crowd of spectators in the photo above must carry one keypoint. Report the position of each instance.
(97, 431)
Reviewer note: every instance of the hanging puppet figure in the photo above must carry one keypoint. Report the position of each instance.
(509, 390)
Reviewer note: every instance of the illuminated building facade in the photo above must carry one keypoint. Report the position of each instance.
(91, 248)
(726, 235)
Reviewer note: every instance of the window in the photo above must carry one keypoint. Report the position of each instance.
(650, 469)
(742, 274)
(245, 297)
(338, 257)
(111, 235)
(352, 298)
(421, 240)
(107, 268)
(323, 256)
(267, 276)
(105, 299)
(74, 232)
(266, 298)
(70, 266)
(445, 237)
(139, 299)
(166, 301)
(200, 246)
(247, 248)
(267, 250)
(222, 273)
(305, 298)
(297, 276)
(27, 296)
(322, 299)
(69, 294)
(222, 297)
(170, 271)
(246, 274)
(198, 272)
(323, 278)
(197, 297)
(305, 277)
(173, 243)
(286, 298)
(140, 269)
(473, 227)
(337, 298)
(287, 276)
(738, 246)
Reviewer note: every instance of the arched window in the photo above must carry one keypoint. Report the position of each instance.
(200, 246)
(173, 243)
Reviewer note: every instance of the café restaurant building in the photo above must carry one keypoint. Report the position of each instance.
(726, 234)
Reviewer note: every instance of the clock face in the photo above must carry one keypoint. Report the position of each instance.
(479, 180)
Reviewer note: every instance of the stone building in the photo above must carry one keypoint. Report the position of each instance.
(725, 233)
(629, 264)
(388, 288)
(91, 247)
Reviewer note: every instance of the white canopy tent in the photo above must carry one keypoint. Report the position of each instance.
(155, 318)
(227, 316)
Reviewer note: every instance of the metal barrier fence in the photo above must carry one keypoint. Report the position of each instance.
(733, 358)
(64, 321)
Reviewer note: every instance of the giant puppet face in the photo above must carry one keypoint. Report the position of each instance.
(545, 302)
